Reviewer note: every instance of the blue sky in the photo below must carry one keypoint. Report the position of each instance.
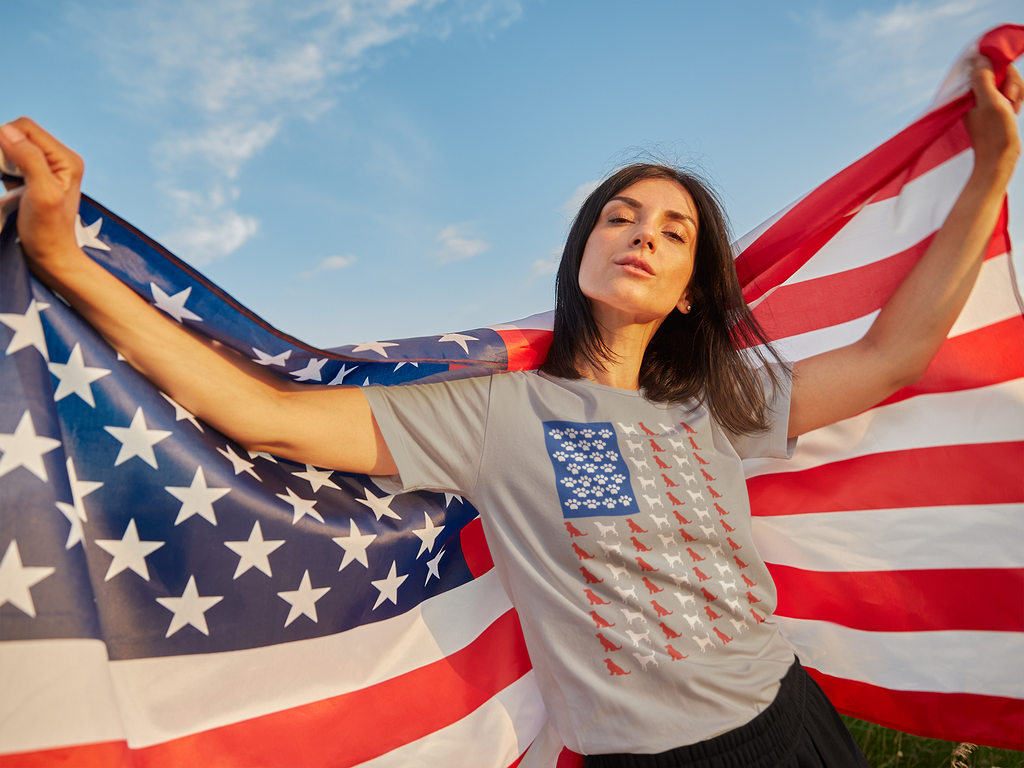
(368, 170)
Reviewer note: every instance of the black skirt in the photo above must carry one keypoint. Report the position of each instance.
(800, 729)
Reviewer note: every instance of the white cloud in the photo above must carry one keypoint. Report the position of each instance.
(206, 238)
(895, 58)
(225, 146)
(236, 72)
(572, 206)
(456, 245)
(328, 264)
(547, 266)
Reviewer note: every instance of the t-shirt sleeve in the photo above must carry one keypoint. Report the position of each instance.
(435, 432)
(774, 443)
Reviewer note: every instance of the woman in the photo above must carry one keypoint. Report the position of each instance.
(643, 602)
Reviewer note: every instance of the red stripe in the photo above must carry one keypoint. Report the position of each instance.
(350, 729)
(983, 473)
(527, 348)
(984, 600)
(779, 252)
(981, 358)
(110, 754)
(474, 548)
(995, 721)
(946, 147)
(829, 300)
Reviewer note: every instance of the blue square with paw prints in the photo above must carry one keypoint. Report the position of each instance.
(590, 472)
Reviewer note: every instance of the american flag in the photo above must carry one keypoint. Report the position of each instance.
(168, 598)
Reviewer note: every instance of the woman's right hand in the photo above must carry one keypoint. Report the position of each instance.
(330, 427)
(49, 205)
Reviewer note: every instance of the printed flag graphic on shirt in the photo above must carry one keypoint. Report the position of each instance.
(168, 598)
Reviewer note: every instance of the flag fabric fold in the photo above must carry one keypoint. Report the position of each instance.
(168, 598)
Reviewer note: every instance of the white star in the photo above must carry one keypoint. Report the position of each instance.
(88, 237)
(303, 600)
(300, 507)
(355, 545)
(254, 552)
(24, 448)
(197, 499)
(366, 383)
(428, 535)
(174, 305)
(460, 339)
(190, 608)
(318, 478)
(433, 567)
(181, 414)
(448, 499)
(77, 532)
(264, 359)
(376, 346)
(239, 464)
(75, 513)
(311, 372)
(406, 362)
(389, 587)
(28, 329)
(75, 377)
(262, 455)
(339, 378)
(381, 507)
(16, 580)
(137, 440)
(128, 552)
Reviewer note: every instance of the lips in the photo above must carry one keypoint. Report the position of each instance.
(635, 261)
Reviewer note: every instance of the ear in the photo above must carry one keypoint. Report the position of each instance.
(684, 302)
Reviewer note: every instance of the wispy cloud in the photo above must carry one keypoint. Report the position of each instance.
(234, 73)
(547, 266)
(456, 244)
(571, 206)
(895, 58)
(329, 264)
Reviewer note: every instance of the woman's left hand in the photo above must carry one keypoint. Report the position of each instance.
(992, 122)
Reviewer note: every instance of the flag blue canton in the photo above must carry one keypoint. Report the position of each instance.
(126, 519)
(590, 472)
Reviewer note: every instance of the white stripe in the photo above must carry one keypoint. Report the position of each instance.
(493, 736)
(162, 700)
(890, 226)
(542, 321)
(983, 415)
(991, 301)
(942, 662)
(915, 538)
(173, 696)
(55, 693)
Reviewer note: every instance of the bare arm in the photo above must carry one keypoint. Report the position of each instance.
(325, 426)
(914, 322)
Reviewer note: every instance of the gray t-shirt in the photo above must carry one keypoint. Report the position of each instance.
(620, 529)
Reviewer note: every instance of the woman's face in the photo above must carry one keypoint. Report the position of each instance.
(638, 259)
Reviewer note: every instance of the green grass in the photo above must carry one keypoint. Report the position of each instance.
(891, 749)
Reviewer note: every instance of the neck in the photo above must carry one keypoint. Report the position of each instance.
(627, 344)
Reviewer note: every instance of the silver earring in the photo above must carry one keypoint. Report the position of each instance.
(687, 307)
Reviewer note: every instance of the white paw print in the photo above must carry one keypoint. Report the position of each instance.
(588, 433)
(605, 433)
(572, 504)
(571, 433)
(560, 456)
(556, 433)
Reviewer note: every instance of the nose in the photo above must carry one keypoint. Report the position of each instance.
(644, 236)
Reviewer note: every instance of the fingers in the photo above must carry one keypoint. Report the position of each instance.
(1013, 88)
(39, 155)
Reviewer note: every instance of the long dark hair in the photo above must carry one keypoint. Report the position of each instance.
(710, 355)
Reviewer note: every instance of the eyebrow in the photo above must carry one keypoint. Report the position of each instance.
(676, 215)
